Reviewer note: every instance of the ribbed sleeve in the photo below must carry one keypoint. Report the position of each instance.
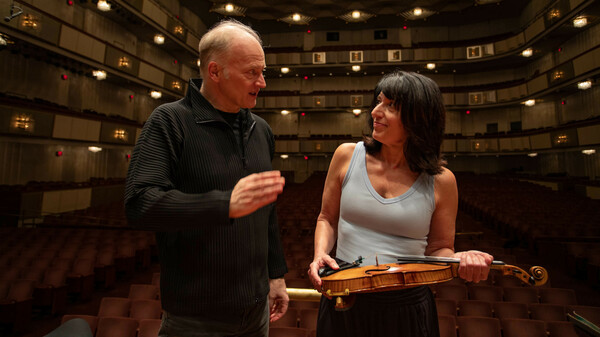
(153, 201)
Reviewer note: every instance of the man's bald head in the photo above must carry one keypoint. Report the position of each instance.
(217, 41)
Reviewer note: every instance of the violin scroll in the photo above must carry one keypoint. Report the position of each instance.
(539, 275)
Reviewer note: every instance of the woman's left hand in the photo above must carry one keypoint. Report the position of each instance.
(474, 265)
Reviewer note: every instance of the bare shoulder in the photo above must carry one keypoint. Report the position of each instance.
(445, 180)
(341, 160)
(344, 151)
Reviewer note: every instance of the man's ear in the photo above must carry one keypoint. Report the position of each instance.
(213, 70)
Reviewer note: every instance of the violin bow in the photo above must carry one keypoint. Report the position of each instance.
(537, 275)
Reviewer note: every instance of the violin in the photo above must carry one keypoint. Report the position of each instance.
(408, 272)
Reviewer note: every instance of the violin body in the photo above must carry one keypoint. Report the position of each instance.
(385, 277)
(407, 273)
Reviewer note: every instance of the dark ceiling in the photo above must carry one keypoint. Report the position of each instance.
(265, 15)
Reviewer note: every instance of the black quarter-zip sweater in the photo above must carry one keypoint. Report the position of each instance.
(182, 172)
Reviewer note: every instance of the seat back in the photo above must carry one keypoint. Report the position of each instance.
(116, 327)
(114, 306)
(557, 296)
(521, 294)
(548, 312)
(290, 319)
(455, 292)
(143, 291)
(475, 308)
(308, 319)
(142, 308)
(447, 325)
(510, 310)
(485, 293)
(473, 326)
(55, 277)
(561, 329)
(148, 327)
(517, 327)
(445, 306)
(21, 290)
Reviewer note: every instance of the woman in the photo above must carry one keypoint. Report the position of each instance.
(390, 196)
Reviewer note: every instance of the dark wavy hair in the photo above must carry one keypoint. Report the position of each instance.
(419, 102)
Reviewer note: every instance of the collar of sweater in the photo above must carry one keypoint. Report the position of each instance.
(202, 109)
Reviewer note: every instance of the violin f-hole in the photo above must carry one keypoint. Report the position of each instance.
(368, 271)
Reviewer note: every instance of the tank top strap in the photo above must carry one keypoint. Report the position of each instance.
(357, 160)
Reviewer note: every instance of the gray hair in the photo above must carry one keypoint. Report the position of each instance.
(218, 39)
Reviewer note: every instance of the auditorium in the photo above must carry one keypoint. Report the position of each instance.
(135, 136)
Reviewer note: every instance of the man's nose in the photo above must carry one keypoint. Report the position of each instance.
(261, 81)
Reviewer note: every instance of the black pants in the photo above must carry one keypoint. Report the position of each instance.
(406, 313)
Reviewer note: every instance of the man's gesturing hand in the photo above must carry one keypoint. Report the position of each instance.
(255, 191)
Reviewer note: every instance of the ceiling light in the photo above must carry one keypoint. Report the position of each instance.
(430, 66)
(285, 70)
(527, 52)
(356, 112)
(103, 5)
(297, 19)
(155, 94)
(532, 154)
(228, 9)
(529, 102)
(285, 112)
(356, 16)
(588, 151)
(416, 13)
(94, 149)
(284, 156)
(99, 74)
(584, 85)
(159, 39)
(580, 21)
(355, 68)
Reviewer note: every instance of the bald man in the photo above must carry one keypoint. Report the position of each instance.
(200, 177)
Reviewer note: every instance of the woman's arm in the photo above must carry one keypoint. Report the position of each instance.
(474, 265)
(326, 230)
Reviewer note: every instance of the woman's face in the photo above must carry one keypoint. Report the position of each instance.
(387, 126)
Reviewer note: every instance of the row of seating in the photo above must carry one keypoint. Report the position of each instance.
(475, 326)
(519, 294)
(537, 311)
(536, 217)
(45, 268)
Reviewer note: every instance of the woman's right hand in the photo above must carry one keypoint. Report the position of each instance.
(318, 263)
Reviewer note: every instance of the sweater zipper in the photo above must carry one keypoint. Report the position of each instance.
(245, 140)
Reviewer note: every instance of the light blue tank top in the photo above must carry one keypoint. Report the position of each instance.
(371, 225)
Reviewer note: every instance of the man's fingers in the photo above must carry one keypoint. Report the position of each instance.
(255, 191)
